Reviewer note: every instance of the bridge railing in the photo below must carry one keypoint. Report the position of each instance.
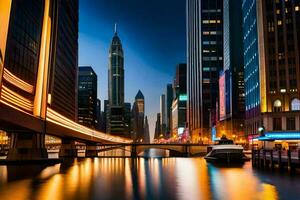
(56, 118)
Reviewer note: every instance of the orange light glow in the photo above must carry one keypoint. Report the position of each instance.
(40, 99)
(63, 121)
(15, 99)
(14, 80)
(5, 7)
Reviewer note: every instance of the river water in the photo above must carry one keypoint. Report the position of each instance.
(144, 178)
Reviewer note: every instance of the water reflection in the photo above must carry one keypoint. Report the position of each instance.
(151, 178)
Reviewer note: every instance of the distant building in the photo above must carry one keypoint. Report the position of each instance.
(272, 68)
(115, 110)
(138, 113)
(105, 115)
(232, 95)
(87, 97)
(179, 103)
(205, 60)
(168, 107)
(163, 114)
(157, 133)
(146, 131)
(99, 116)
(127, 120)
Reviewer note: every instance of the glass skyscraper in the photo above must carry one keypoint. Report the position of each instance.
(271, 62)
(116, 112)
(205, 60)
(87, 97)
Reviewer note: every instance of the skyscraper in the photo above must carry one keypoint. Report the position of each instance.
(163, 114)
(87, 97)
(146, 131)
(157, 133)
(179, 103)
(138, 113)
(64, 75)
(272, 67)
(115, 112)
(205, 60)
(39, 66)
(168, 107)
(232, 97)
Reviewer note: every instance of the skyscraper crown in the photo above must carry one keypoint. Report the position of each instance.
(139, 95)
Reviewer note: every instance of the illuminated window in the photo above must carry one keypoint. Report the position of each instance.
(295, 105)
(297, 8)
(279, 23)
(277, 106)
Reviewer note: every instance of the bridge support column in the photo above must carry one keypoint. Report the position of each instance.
(91, 151)
(27, 146)
(187, 151)
(133, 151)
(68, 148)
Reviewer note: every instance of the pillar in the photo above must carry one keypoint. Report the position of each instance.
(91, 150)
(133, 151)
(68, 148)
(27, 146)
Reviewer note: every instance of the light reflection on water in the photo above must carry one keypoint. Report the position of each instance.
(151, 178)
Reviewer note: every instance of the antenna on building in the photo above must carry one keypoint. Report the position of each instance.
(115, 28)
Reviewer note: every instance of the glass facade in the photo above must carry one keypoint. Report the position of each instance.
(63, 87)
(87, 97)
(251, 63)
(205, 60)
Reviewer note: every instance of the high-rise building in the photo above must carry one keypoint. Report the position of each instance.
(138, 114)
(146, 131)
(163, 114)
(63, 76)
(157, 133)
(87, 97)
(99, 116)
(205, 60)
(232, 97)
(179, 103)
(127, 120)
(105, 116)
(271, 63)
(38, 66)
(115, 112)
(168, 107)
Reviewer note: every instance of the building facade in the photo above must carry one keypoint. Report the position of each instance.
(231, 95)
(168, 108)
(179, 103)
(115, 111)
(38, 74)
(163, 114)
(271, 62)
(138, 114)
(205, 60)
(87, 97)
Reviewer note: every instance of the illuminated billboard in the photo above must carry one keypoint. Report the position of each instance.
(222, 98)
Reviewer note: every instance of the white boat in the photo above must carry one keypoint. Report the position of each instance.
(225, 151)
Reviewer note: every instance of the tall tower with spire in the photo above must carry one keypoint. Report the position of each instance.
(115, 114)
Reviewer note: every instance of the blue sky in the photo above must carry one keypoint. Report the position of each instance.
(153, 37)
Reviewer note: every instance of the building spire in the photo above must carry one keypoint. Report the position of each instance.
(116, 28)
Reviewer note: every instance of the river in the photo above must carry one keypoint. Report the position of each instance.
(144, 178)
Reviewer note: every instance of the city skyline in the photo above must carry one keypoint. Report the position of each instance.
(146, 58)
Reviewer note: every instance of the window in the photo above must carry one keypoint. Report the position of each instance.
(290, 123)
(295, 105)
(277, 124)
(277, 106)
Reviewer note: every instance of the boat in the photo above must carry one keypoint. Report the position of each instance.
(225, 151)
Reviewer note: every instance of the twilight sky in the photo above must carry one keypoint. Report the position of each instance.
(153, 38)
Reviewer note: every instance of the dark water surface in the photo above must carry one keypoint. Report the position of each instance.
(152, 178)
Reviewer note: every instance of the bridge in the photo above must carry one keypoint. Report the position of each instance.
(137, 148)
(27, 133)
